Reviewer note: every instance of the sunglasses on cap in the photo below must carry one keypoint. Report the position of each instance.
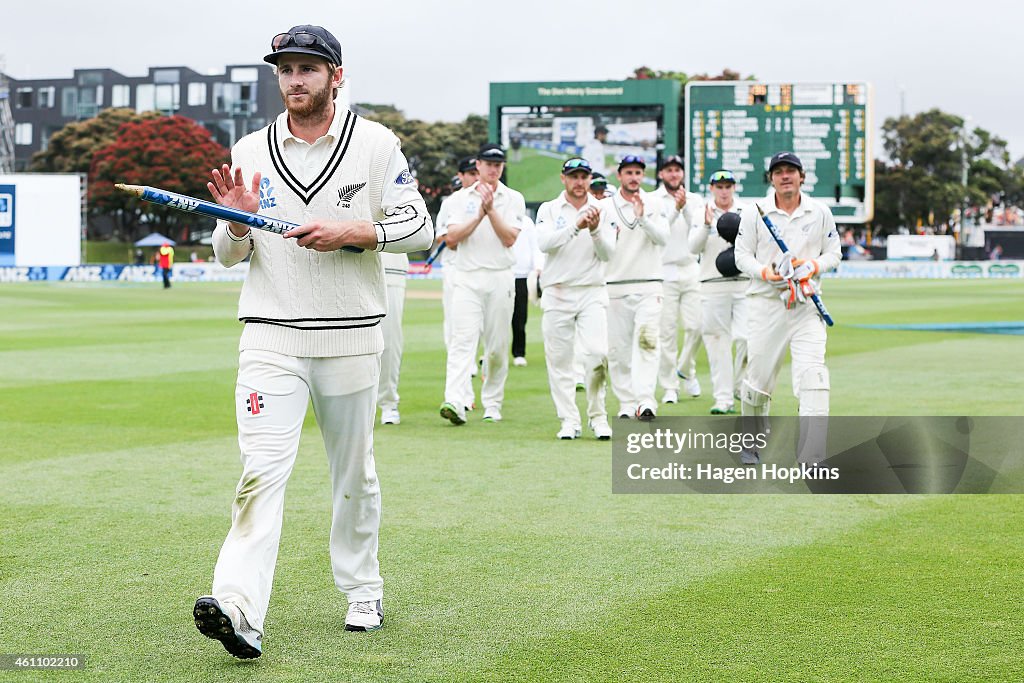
(303, 39)
(577, 164)
(722, 177)
(632, 159)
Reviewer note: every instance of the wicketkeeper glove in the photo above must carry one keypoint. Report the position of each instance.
(804, 289)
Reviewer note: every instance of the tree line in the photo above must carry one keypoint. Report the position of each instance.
(919, 183)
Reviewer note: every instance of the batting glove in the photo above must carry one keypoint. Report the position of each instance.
(785, 267)
(789, 293)
(804, 290)
(805, 269)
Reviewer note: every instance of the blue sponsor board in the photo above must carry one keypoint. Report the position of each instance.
(119, 272)
(7, 198)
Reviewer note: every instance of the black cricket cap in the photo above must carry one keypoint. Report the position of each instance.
(672, 159)
(306, 39)
(785, 158)
(577, 164)
(490, 151)
(467, 164)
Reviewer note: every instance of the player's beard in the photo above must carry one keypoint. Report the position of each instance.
(314, 110)
(672, 189)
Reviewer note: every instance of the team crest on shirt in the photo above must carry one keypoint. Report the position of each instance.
(471, 208)
(405, 178)
(560, 223)
(346, 194)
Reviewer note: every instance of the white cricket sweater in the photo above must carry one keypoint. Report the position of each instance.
(810, 233)
(677, 249)
(575, 257)
(635, 265)
(306, 303)
(708, 244)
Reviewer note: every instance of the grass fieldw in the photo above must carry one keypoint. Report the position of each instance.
(504, 553)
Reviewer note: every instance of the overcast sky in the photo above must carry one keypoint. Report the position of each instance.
(435, 60)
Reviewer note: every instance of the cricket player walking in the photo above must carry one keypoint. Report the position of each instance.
(634, 278)
(484, 221)
(723, 294)
(312, 316)
(574, 299)
(680, 305)
(779, 313)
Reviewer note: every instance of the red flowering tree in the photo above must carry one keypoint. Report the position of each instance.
(171, 152)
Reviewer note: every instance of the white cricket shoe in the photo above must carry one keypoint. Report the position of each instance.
(519, 362)
(364, 616)
(626, 412)
(492, 415)
(601, 429)
(690, 384)
(570, 430)
(390, 416)
(671, 396)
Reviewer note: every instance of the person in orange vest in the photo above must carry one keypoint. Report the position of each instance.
(166, 255)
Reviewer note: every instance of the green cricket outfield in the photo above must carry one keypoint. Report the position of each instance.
(505, 555)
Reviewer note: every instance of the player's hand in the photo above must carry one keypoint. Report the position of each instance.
(785, 266)
(333, 235)
(804, 269)
(769, 274)
(709, 216)
(680, 197)
(588, 218)
(486, 197)
(638, 205)
(228, 190)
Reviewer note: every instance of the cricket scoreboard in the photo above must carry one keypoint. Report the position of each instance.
(739, 125)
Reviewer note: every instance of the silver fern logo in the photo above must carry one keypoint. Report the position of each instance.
(346, 193)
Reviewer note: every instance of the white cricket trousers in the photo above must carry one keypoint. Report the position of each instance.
(724, 331)
(680, 307)
(447, 291)
(271, 398)
(576, 316)
(391, 359)
(633, 323)
(482, 301)
(771, 330)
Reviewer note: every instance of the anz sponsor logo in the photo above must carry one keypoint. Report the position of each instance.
(182, 203)
(405, 178)
(267, 198)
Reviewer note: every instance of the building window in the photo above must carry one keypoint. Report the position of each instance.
(46, 97)
(196, 94)
(145, 97)
(166, 76)
(168, 97)
(24, 99)
(69, 102)
(23, 133)
(246, 74)
(121, 96)
(90, 78)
